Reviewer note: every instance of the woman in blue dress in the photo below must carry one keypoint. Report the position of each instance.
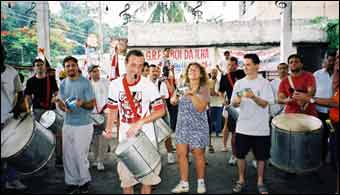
(192, 129)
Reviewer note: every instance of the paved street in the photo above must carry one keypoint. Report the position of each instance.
(220, 177)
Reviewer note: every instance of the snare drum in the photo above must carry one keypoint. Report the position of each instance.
(52, 120)
(162, 130)
(99, 121)
(296, 143)
(139, 155)
(26, 145)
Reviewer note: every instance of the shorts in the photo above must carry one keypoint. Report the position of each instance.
(260, 146)
(128, 180)
(231, 114)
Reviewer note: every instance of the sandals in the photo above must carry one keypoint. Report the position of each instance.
(239, 187)
(262, 189)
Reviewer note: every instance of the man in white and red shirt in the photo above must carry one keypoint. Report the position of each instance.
(148, 107)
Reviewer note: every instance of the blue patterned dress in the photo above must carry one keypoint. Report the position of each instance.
(192, 126)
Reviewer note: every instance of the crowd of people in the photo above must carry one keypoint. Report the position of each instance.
(222, 99)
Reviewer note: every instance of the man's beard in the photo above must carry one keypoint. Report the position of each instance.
(297, 70)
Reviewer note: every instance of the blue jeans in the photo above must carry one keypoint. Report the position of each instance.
(10, 174)
(216, 119)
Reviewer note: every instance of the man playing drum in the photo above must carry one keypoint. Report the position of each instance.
(41, 91)
(299, 81)
(164, 93)
(10, 89)
(133, 96)
(100, 86)
(333, 103)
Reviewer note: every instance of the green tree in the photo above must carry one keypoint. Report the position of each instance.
(331, 27)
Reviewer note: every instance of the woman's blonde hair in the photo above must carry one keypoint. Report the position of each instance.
(203, 74)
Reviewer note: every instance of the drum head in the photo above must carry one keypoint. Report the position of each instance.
(297, 122)
(16, 135)
(48, 118)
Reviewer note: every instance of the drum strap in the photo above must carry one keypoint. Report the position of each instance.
(99, 111)
(231, 82)
(291, 84)
(129, 98)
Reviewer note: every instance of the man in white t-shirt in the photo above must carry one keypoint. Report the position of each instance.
(222, 67)
(99, 86)
(148, 107)
(252, 94)
(164, 93)
(277, 108)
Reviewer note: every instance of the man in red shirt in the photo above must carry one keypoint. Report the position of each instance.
(299, 81)
(333, 103)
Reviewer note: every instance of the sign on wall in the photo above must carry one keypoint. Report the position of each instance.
(211, 56)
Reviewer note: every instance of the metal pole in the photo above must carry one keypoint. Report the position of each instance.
(286, 42)
(43, 28)
(101, 36)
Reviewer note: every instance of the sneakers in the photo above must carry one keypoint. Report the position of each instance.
(100, 166)
(180, 188)
(254, 163)
(232, 160)
(201, 186)
(15, 185)
(72, 189)
(84, 189)
(171, 158)
(201, 189)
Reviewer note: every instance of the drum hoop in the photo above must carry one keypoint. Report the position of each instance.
(296, 132)
(42, 165)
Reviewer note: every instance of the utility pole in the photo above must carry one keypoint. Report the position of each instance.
(43, 28)
(101, 35)
(286, 42)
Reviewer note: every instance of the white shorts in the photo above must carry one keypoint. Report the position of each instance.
(128, 179)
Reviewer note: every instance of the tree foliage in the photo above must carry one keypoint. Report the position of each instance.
(331, 27)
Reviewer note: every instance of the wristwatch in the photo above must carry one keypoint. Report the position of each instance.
(312, 100)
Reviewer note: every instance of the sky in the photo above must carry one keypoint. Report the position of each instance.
(111, 17)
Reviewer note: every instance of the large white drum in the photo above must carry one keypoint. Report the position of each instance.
(26, 145)
(139, 155)
(296, 143)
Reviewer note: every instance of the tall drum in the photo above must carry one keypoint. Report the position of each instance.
(26, 145)
(296, 143)
(139, 155)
